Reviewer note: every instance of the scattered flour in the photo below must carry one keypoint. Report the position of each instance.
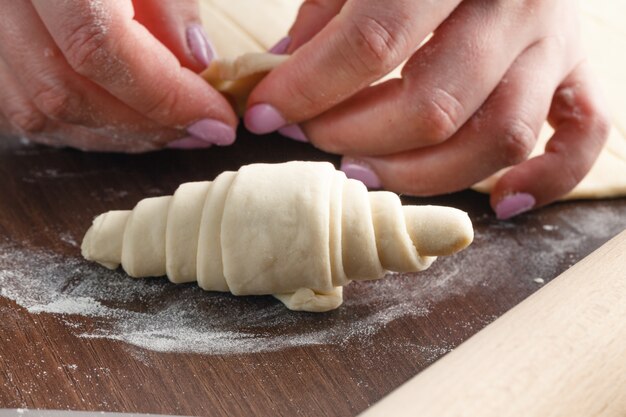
(69, 239)
(100, 15)
(157, 315)
(36, 175)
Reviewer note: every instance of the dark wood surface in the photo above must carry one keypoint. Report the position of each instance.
(248, 356)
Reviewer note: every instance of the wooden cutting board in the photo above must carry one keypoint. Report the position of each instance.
(76, 336)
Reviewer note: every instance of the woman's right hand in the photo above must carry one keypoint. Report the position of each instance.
(470, 101)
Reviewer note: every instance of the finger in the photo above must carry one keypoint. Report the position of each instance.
(365, 41)
(56, 91)
(500, 134)
(102, 42)
(178, 26)
(20, 116)
(581, 129)
(435, 97)
(66, 135)
(15, 105)
(6, 129)
(49, 82)
(312, 17)
(23, 117)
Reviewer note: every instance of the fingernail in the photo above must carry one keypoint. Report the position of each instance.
(263, 118)
(360, 170)
(281, 46)
(190, 142)
(293, 132)
(199, 44)
(514, 204)
(213, 132)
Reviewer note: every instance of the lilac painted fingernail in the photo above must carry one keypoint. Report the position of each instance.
(293, 132)
(514, 204)
(263, 118)
(360, 170)
(213, 132)
(189, 142)
(199, 44)
(281, 46)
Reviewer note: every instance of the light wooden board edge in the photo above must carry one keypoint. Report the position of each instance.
(560, 352)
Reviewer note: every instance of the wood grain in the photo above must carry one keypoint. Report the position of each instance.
(560, 352)
(48, 198)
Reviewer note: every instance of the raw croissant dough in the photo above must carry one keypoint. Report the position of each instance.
(297, 230)
(236, 78)
(239, 27)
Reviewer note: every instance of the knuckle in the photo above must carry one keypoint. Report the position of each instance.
(571, 169)
(571, 175)
(601, 123)
(440, 117)
(308, 100)
(554, 43)
(376, 44)
(163, 106)
(598, 120)
(57, 102)
(27, 120)
(85, 48)
(517, 142)
(319, 5)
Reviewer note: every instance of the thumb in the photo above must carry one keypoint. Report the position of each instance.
(312, 17)
(178, 26)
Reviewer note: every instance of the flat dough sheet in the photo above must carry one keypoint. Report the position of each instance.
(238, 27)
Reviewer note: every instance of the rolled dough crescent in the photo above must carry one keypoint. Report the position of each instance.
(239, 27)
(297, 230)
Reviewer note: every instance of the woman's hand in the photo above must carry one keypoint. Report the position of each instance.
(109, 75)
(470, 101)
